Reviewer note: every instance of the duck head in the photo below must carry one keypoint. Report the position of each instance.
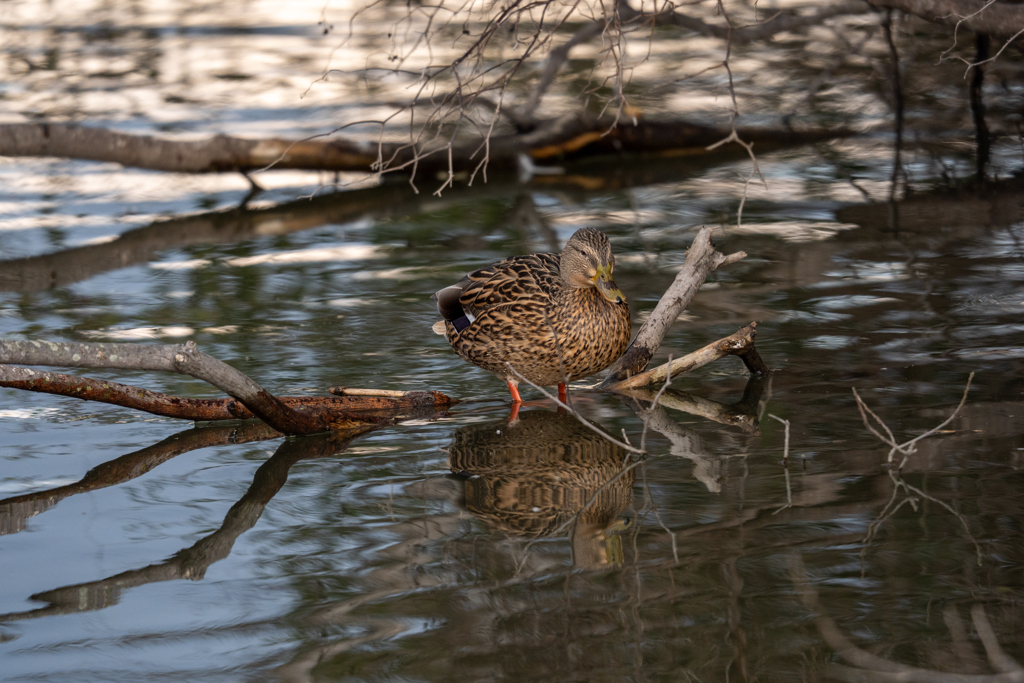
(588, 261)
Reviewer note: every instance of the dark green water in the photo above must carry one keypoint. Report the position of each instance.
(230, 557)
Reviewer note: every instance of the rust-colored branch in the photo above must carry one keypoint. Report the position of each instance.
(338, 411)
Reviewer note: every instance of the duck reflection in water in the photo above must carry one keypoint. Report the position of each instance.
(528, 478)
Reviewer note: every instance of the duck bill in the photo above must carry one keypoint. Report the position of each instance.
(606, 285)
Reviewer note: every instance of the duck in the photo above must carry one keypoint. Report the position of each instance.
(548, 318)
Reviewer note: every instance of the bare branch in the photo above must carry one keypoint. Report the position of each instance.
(776, 24)
(907, 448)
(701, 260)
(553, 63)
(740, 344)
(908, 445)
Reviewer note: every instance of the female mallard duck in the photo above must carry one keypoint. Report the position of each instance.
(553, 317)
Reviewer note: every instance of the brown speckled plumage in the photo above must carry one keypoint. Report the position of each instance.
(536, 310)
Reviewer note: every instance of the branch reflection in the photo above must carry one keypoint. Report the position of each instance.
(192, 562)
(14, 511)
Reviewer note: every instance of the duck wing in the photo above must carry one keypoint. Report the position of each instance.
(519, 280)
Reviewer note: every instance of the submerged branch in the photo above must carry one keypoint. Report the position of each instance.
(867, 666)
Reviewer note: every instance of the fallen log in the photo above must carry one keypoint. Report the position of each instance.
(570, 136)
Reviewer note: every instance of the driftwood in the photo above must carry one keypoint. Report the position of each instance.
(701, 260)
(740, 343)
(301, 415)
(570, 136)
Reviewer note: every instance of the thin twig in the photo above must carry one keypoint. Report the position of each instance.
(909, 445)
(961, 518)
(586, 423)
(649, 500)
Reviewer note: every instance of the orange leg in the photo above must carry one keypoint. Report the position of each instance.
(514, 388)
(513, 415)
(561, 392)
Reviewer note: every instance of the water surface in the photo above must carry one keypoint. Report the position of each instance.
(449, 547)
